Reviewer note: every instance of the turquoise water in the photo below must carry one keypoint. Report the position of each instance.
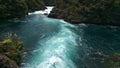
(54, 43)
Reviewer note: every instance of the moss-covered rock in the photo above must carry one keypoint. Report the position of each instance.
(5, 62)
(11, 48)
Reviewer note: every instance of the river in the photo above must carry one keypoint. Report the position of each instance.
(54, 43)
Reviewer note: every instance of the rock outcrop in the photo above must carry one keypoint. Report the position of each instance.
(10, 51)
(5, 62)
(88, 11)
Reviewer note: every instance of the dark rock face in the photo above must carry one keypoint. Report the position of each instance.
(5, 62)
(88, 11)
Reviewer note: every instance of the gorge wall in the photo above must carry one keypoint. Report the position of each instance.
(88, 11)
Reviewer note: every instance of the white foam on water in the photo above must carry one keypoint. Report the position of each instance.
(66, 23)
(56, 49)
(46, 11)
(53, 52)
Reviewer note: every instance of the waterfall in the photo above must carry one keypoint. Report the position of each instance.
(45, 12)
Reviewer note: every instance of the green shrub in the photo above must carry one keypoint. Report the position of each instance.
(11, 46)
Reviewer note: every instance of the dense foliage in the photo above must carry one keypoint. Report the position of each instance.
(88, 11)
(12, 8)
(35, 5)
(50, 2)
(18, 8)
(10, 50)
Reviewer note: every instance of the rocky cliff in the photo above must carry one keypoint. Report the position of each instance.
(88, 11)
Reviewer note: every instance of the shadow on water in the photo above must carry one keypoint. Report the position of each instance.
(102, 46)
(103, 38)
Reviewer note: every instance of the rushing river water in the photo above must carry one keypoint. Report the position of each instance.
(54, 43)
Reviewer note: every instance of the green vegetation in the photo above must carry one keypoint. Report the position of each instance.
(18, 8)
(50, 2)
(35, 5)
(10, 49)
(12, 8)
(6, 62)
(88, 11)
(74, 11)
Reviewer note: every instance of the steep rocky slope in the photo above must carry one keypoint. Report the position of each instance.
(88, 11)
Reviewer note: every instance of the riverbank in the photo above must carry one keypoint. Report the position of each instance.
(10, 51)
(19, 8)
(89, 12)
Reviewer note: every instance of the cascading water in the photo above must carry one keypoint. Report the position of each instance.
(46, 11)
(55, 51)
(54, 43)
